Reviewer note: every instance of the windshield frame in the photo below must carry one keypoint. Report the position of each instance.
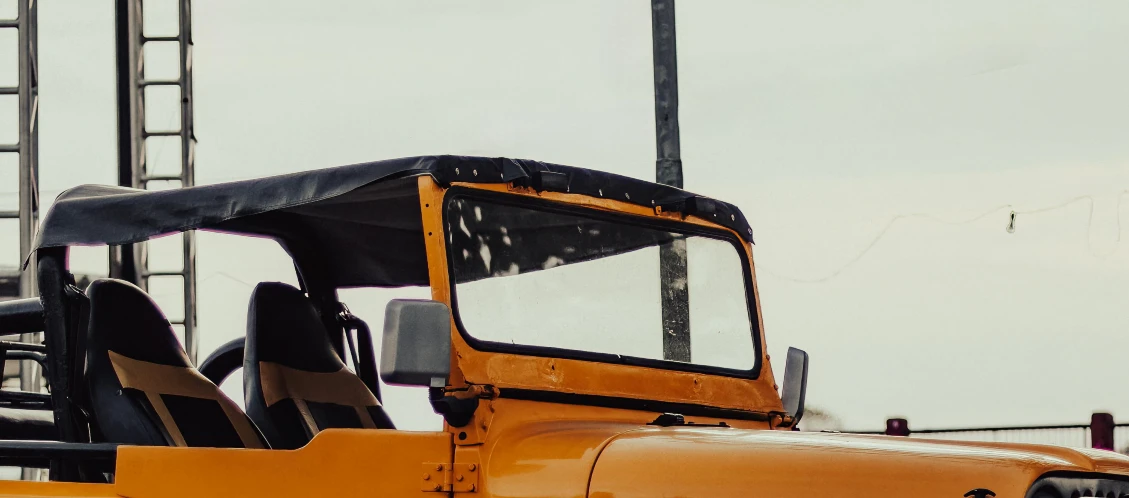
(455, 192)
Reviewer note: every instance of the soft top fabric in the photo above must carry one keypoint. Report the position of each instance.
(362, 219)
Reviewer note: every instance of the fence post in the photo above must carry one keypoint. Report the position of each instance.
(1101, 431)
(900, 427)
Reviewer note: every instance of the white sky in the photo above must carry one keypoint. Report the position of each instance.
(822, 120)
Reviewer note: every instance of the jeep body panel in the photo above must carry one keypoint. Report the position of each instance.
(718, 462)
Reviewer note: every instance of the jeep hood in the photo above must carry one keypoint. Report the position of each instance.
(720, 462)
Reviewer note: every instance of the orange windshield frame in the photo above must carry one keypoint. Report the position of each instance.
(585, 380)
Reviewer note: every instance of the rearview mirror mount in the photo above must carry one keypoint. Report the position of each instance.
(416, 347)
(795, 384)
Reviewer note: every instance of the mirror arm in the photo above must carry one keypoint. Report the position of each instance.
(457, 412)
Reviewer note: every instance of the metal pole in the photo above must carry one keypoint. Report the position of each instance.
(130, 262)
(29, 139)
(668, 167)
(1101, 431)
(668, 171)
(31, 376)
(127, 34)
(188, 176)
(29, 167)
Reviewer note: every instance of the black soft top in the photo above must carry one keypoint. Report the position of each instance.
(362, 219)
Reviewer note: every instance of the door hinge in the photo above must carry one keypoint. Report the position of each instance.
(445, 477)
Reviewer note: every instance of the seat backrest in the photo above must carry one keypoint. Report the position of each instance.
(141, 387)
(295, 383)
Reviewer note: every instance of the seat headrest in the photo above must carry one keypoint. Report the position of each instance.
(285, 328)
(131, 324)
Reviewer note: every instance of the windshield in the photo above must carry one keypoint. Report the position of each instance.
(585, 282)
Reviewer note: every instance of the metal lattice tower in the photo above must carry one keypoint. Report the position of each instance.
(131, 263)
(27, 209)
(27, 88)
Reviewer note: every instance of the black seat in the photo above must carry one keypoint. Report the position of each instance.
(141, 386)
(295, 383)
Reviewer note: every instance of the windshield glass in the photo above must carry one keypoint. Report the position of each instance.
(586, 282)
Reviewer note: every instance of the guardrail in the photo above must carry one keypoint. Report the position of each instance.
(1101, 433)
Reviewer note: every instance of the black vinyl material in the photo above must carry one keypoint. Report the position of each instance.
(123, 319)
(17, 423)
(283, 327)
(362, 219)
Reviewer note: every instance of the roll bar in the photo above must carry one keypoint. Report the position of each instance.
(21, 316)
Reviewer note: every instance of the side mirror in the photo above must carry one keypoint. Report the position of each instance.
(795, 384)
(416, 348)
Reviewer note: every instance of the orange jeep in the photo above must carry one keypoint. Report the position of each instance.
(588, 335)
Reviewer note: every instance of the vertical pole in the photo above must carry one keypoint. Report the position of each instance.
(668, 167)
(127, 35)
(187, 176)
(31, 376)
(130, 262)
(1101, 431)
(897, 427)
(673, 276)
(29, 140)
(29, 168)
(668, 171)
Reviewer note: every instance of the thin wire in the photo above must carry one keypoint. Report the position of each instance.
(877, 238)
(890, 224)
(205, 279)
(1090, 222)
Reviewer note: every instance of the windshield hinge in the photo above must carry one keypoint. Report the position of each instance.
(676, 419)
(448, 478)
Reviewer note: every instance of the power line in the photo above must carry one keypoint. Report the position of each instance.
(927, 216)
(210, 276)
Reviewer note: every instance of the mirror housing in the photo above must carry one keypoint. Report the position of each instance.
(795, 384)
(416, 347)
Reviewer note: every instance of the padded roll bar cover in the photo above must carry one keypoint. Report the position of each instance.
(416, 347)
(21, 316)
(21, 424)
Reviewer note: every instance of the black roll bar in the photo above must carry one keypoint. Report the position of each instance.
(39, 454)
(21, 316)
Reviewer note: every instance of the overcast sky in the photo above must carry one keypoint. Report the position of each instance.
(823, 121)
